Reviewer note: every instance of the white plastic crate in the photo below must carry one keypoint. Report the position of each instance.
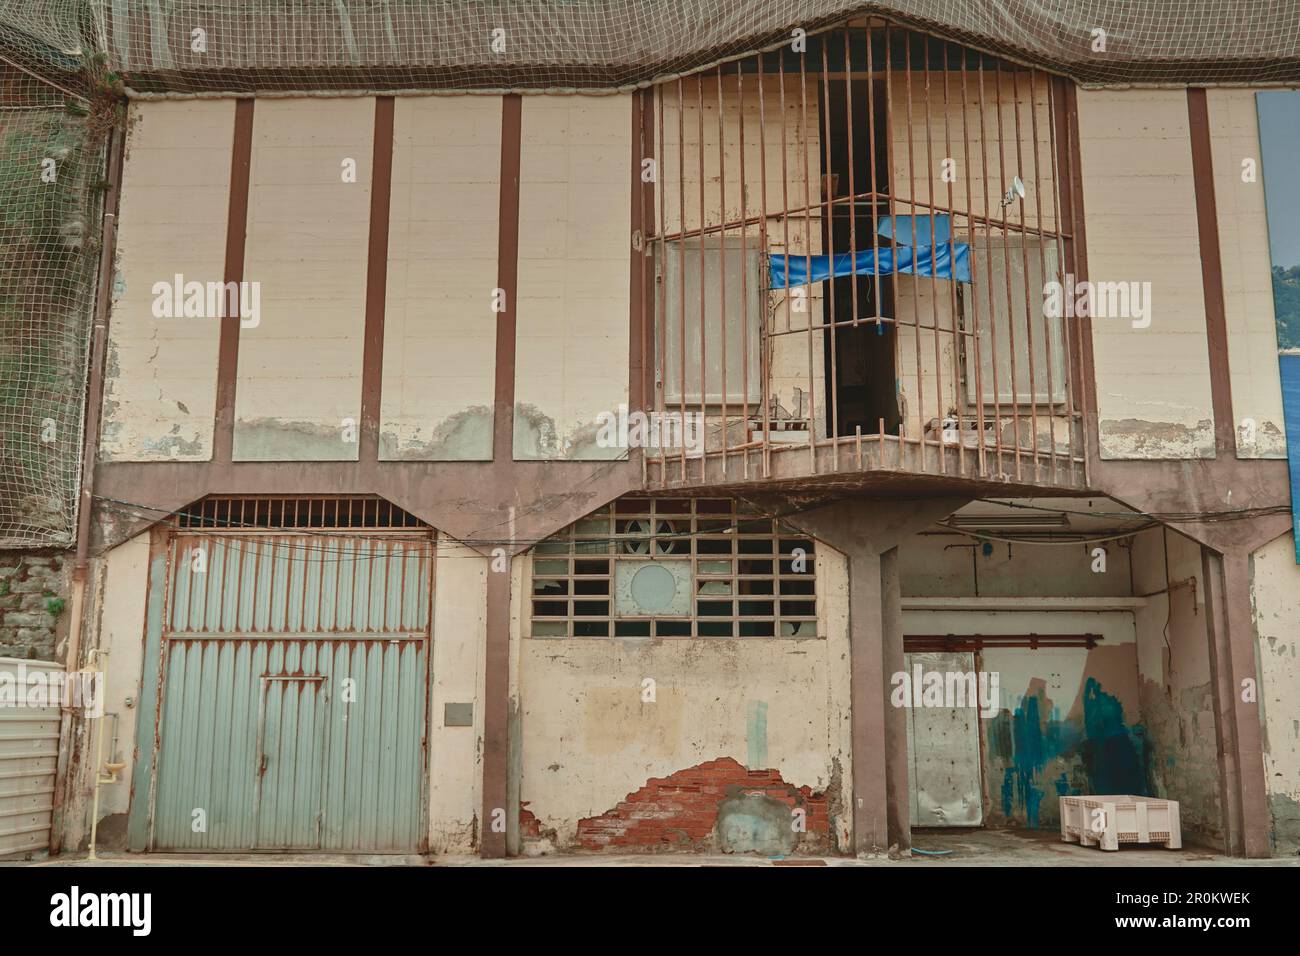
(1109, 821)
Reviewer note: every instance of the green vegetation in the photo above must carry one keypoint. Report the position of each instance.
(1286, 306)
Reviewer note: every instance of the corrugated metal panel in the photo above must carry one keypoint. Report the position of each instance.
(29, 754)
(294, 693)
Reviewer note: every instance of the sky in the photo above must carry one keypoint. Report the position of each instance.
(1279, 135)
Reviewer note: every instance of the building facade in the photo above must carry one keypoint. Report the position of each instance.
(872, 425)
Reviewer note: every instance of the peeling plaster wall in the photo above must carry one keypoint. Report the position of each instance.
(575, 244)
(1177, 692)
(307, 240)
(1247, 279)
(1275, 596)
(439, 327)
(1153, 384)
(459, 643)
(589, 742)
(161, 374)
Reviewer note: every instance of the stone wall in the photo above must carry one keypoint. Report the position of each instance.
(35, 595)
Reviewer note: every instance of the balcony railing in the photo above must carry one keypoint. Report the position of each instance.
(858, 252)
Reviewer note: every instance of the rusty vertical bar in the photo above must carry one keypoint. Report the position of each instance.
(704, 367)
(853, 190)
(807, 248)
(722, 262)
(765, 390)
(1024, 267)
(661, 292)
(681, 259)
(1042, 272)
(988, 259)
(911, 199)
(893, 218)
(974, 335)
(957, 341)
(744, 265)
(1006, 270)
(934, 280)
(829, 317)
(1056, 112)
(1079, 256)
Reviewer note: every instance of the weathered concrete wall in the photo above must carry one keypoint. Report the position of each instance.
(1247, 279)
(161, 374)
(1275, 594)
(35, 588)
(455, 752)
(1153, 384)
(1177, 694)
(308, 232)
(439, 326)
(740, 733)
(575, 243)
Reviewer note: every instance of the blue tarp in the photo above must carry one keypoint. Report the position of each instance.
(908, 260)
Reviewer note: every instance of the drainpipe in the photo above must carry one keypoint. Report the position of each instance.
(90, 437)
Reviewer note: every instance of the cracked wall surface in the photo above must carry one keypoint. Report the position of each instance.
(161, 373)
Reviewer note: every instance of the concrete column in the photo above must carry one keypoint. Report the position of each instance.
(1236, 688)
(896, 752)
(496, 717)
(868, 719)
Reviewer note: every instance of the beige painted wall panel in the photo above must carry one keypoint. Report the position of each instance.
(439, 327)
(588, 740)
(459, 639)
(300, 367)
(1153, 384)
(1247, 278)
(574, 275)
(1276, 605)
(161, 380)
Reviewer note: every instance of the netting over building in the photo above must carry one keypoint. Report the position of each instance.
(194, 46)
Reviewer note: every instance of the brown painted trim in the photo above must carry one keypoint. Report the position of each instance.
(372, 361)
(503, 423)
(641, 383)
(1207, 228)
(1071, 160)
(241, 155)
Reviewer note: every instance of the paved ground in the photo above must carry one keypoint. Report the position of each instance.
(957, 848)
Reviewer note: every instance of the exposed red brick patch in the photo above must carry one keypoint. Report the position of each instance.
(680, 811)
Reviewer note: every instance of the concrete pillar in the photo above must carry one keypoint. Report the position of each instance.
(1236, 689)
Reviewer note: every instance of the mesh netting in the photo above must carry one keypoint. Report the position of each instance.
(258, 45)
(50, 162)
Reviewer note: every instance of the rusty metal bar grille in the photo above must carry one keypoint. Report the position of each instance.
(947, 643)
(359, 512)
(746, 575)
(869, 140)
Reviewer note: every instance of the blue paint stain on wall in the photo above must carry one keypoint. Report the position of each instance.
(1112, 755)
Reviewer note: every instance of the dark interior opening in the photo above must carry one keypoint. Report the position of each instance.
(863, 392)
